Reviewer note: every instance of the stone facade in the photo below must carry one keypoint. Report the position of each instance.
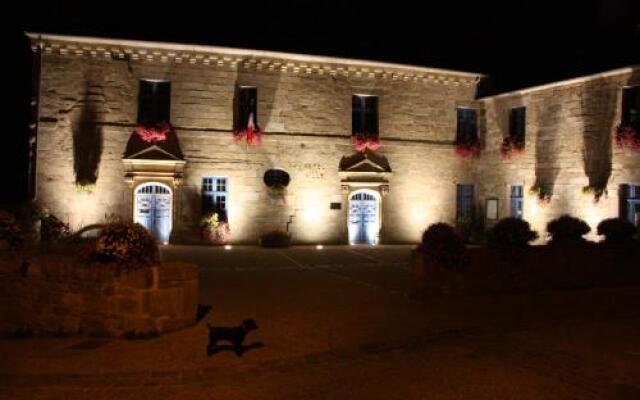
(568, 147)
(88, 107)
(52, 294)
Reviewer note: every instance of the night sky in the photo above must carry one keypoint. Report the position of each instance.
(517, 43)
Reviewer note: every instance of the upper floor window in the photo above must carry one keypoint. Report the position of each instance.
(467, 128)
(630, 203)
(154, 102)
(631, 107)
(517, 124)
(215, 196)
(364, 115)
(246, 107)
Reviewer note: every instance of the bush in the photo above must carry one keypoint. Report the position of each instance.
(275, 239)
(53, 229)
(214, 230)
(567, 229)
(616, 230)
(126, 244)
(10, 231)
(443, 247)
(511, 232)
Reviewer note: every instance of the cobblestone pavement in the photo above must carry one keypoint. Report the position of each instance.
(336, 323)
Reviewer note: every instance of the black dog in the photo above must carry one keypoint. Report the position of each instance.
(234, 335)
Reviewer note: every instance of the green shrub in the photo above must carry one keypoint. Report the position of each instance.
(511, 232)
(567, 230)
(616, 230)
(275, 239)
(443, 247)
(10, 230)
(126, 244)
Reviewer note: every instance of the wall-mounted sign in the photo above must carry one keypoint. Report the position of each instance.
(492, 209)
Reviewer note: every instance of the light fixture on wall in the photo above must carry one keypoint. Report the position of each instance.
(227, 247)
(319, 247)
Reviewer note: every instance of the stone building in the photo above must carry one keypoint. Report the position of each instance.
(331, 150)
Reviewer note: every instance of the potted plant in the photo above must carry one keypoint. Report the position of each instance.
(214, 230)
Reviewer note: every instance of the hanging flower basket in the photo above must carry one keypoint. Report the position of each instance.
(627, 136)
(468, 149)
(542, 195)
(153, 133)
(596, 192)
(252, 133)
(511, 147)
(363, 142)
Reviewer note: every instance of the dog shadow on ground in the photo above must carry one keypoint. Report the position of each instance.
(233, 338)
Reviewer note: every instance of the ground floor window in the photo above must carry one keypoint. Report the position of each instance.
(465, 202)
(215, 196)
(630, 203)
(517, 197)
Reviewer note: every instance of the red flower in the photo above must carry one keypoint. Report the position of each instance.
(627, 136)
(153, 133)
(252, 132)
(510, 148)
(470, 149)
(363, 142)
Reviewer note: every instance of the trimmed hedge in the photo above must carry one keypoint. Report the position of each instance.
(567, 230)
(616, 230)
(443, 247)
(511, 232)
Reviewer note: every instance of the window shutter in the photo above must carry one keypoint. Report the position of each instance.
(357, 106)
(371, 116)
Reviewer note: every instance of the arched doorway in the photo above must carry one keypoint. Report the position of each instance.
(153, 209)
(364, 217)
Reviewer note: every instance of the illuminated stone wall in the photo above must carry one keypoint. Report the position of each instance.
(89, 105)
(89, 101)
(569, 146)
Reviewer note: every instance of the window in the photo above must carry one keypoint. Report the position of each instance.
(467, 128)
(465, 202)
(630, 203)
(631, 107)
(364, 115)
(154, 102)
(517, 199)
(246, 106)
(215, 196)
(517, 124)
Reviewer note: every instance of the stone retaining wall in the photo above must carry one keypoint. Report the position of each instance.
(58, 295)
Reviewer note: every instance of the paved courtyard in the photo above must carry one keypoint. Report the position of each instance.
(337, 324)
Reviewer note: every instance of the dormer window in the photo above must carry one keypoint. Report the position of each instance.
(154, 102)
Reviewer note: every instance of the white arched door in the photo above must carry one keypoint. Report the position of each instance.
(364, 218)
(153, 209)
